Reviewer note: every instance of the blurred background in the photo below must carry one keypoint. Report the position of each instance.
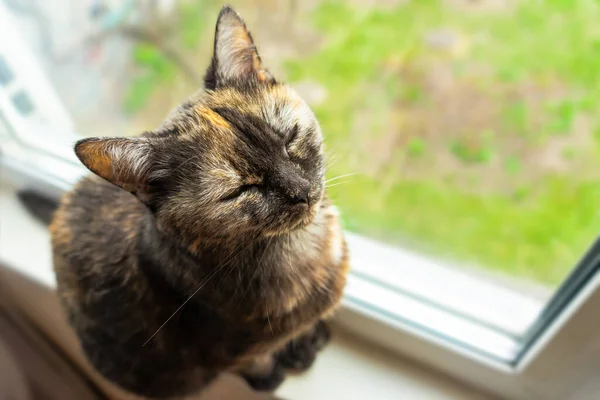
(466, 129)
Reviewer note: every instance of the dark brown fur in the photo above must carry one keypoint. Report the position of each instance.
(208, 245)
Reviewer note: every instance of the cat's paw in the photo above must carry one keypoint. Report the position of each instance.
(300, 353)
(266, 383)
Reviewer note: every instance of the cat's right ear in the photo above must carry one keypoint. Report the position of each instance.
(235, 58)
(125, 162)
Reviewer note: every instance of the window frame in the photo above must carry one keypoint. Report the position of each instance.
(561, 360)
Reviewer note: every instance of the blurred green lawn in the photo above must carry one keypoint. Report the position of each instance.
(510, 179)
(473, 132)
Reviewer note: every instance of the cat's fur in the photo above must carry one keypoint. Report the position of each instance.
(207, 245)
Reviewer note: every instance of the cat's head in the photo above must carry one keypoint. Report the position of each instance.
(241, 157)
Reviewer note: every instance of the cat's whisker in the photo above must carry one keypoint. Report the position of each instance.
(291, 264)
(331, 159)
(229, 269)
(258, 266)
(269, 319)
(336, 184)
(200, 286)
(340, 177)
(180, 307)
(226, 274)
(187, 160)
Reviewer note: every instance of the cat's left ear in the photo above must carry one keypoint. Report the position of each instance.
(125, 162)
(235, 58)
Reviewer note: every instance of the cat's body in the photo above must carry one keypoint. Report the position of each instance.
(252, 300)
(204, 249)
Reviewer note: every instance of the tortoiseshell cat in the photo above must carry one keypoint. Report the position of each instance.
(210, 244)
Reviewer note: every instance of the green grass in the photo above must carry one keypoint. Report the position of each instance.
(155, 69)
(534, 221)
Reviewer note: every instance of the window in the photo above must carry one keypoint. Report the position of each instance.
(463, 139)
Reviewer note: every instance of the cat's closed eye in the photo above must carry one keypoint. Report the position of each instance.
(240, 190)
(293, 135)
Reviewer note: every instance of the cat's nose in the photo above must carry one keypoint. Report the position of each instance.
(302, 195)
(301, 198)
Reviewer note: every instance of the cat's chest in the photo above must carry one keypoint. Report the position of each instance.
(289, 273)
(310, 267)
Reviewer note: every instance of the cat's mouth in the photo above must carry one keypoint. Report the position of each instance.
(304, 215)
(298, 217)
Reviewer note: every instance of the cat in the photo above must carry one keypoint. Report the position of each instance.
(209, 244)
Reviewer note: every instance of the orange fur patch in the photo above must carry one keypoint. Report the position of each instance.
(212, 117)
(240, 35)
(262, 75)
(95, 158)
(195, 245)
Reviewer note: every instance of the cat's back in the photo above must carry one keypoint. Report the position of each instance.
(96, 225)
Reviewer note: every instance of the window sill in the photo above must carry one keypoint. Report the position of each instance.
(437, 298)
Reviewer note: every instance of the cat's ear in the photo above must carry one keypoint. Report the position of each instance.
(125, 162)
(235, 58)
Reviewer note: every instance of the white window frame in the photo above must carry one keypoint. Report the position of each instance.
(483, 323)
